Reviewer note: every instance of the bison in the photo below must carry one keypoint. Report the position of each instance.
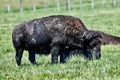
(55, 35)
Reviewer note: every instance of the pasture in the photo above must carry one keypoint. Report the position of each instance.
(76, 68)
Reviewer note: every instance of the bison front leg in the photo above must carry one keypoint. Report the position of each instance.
(32, 56)
(54, 54)
(63, 56)
(18, 56)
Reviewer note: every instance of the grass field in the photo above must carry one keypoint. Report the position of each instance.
(76, 68)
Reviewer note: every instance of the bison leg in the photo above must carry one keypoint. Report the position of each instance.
(64, 56)
(18, 56)
(32, 57)
(54, 54)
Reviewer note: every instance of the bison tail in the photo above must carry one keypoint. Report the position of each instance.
(110, 39)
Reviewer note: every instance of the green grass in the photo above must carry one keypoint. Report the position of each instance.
(76, 68)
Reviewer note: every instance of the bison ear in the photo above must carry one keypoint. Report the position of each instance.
(91, 34)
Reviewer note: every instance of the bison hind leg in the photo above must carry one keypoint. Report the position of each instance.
(18, 56)
(32, 57)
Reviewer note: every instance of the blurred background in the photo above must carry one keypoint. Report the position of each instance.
(24, 5)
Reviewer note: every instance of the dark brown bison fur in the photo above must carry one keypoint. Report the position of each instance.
(57, 35)
(110, 39)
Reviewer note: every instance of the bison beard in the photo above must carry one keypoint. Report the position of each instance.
(57, 35)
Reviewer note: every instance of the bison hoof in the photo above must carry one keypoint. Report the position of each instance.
(34, 63)
(54, 62)
(62, 62)
(19, 64)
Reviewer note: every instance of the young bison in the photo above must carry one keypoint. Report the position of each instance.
(57, 35)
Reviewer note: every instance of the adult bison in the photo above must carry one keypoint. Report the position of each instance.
(58, 35)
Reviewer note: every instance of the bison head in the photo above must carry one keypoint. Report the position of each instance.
(92, 44)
